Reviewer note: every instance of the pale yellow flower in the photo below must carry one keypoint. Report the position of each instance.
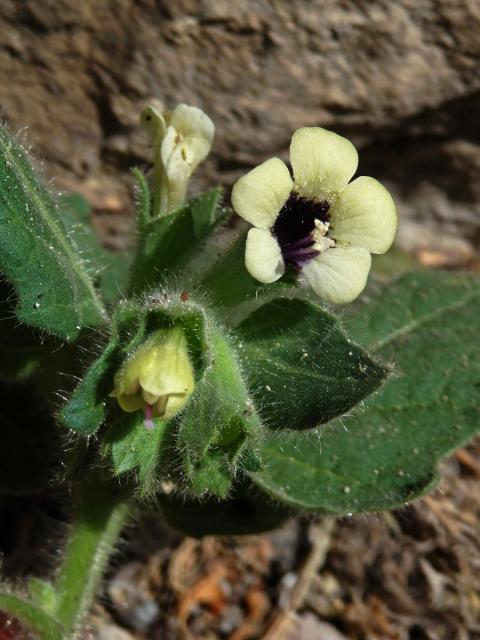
(182, 139)
(322, 224)
(157, 378)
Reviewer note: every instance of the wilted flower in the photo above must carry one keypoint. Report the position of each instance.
(182, 140)
(318, 222)
(157, 378)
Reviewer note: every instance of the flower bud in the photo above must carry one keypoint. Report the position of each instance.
(182, 140)
(157, 378)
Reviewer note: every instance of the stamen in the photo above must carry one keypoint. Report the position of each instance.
(148, 422)
(320, 239)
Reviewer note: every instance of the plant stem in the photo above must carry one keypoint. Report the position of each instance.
(100, 514)
(161, 204)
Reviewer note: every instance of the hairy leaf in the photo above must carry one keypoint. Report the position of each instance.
(302, 366)
(42, 593)
(387, 452)
(53, 289)
(220, 421)
(109, 270)
(75, 214)
(33, 618)
(133, 448)
(85, 411)
(216, 431)
(228, 282)
(21, 348)
(168, 241)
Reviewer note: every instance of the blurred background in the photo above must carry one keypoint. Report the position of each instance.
(401, 79)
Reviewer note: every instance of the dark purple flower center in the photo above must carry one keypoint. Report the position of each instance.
(294, 228)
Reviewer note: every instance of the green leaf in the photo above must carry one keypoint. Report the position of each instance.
(133, 448)
(75, 214)
(53, 289)
(302, 366)
(245, 512)
(143, 197)
(86, 409)
(392, 264)
(220, 421)
(21, 348)
(218, 428)
(168, 241)
(42, 593)
(228, 282)
(115, 275)
(387, 453)
(33, 618)
(109, 270)
(212, 475)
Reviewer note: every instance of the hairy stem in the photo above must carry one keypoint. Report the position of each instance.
(100, 514)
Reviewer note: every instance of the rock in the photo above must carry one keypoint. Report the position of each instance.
(400, 78)
(132, 597)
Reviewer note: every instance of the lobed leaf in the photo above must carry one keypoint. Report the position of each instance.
(86, 409)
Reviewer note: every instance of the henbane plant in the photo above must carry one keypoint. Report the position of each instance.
(209, 373)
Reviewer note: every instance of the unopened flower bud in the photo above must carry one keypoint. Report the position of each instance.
(157, 378)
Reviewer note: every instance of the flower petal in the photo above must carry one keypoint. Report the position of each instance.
(131, 403)
(323, 162)
(152, 119)
(340, 274)
(263, 256)
(174, 403)
(364, 216)
(187, 120)
(166, 366)
(125, 381)
(181, 156)
(259, 195)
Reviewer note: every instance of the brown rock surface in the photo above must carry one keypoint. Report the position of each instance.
(400, 77)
